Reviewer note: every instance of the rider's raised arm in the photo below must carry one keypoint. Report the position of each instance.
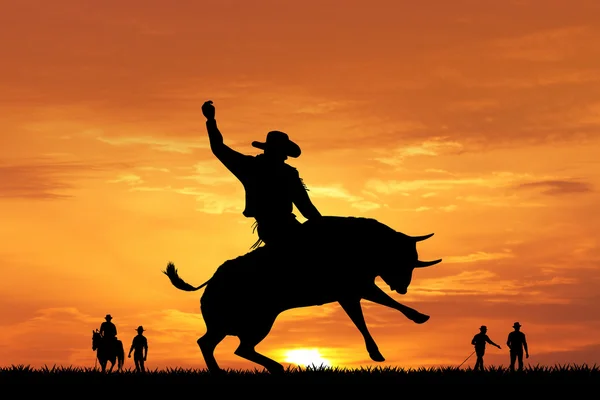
(233, 160)
(302, 200)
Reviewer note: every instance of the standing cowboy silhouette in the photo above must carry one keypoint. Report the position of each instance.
(516, 343)
(272, 186)
(139, 347)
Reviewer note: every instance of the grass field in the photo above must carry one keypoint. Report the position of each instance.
(560, 374)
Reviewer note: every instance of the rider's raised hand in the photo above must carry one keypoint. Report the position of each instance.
(208, 110)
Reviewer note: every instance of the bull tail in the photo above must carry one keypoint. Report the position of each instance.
(179, 283)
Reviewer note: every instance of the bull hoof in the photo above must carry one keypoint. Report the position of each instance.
(376, 356)
(420, 318)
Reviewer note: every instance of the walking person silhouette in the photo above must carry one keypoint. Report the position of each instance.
(516, 343)
(479, 341)
(139, 346)
(272, 187)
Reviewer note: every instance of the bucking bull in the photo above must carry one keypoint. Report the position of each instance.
(335, 259)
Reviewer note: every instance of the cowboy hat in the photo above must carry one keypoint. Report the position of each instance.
(516, 325)
(483, 328)
(108, 316)
(281, 141)
(140, 329)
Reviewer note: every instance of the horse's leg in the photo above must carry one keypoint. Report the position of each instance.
(376, 295)
(112, 364)
(207, 344)
(354, 311)
(251, 336)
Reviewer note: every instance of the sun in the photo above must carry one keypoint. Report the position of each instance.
(306, 357)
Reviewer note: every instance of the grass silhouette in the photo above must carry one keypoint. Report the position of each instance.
(558, 374)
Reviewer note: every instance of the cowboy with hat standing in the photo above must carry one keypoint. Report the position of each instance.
(272, 186)
(516, 343)
(479, 341)
(139, 346)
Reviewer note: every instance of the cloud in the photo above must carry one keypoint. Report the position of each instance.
(43, 180)
(153, 169)
(449, 208)
(500, 201)
(339, 192)
(547, 45)
(557, 187)
(478, 256)
(210, 173)
(488, 284)
(128, 179)
(324, 107)
(217, 204)
(393, 186)
(494, 180)
(431, 147)
(159, 144)
(211, 203)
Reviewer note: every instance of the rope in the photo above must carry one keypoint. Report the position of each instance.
(466, 359)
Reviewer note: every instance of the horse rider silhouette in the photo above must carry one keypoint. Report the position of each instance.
(108, 331)
(272, 187)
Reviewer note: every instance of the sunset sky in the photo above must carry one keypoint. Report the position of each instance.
(476, 120)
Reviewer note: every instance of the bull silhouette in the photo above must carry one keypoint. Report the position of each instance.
(335, 259)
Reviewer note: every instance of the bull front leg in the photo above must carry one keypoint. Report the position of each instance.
(376, 295)
(353, 308)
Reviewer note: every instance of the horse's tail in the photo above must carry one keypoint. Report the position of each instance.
(179, 283)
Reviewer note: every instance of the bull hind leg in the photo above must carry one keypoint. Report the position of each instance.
(207, 344)
(250, 338)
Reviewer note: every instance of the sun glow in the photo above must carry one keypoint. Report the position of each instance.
(306, 357)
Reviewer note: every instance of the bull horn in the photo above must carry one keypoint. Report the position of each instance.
(423, 264)
(419, 238)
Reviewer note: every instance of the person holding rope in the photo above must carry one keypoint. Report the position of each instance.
(479, 341)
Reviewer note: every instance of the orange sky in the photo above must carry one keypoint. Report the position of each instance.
(478, 121)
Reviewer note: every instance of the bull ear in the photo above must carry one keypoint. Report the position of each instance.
(423, 264)
(420, 238)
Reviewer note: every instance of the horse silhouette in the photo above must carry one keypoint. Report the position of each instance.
(107, 350)
(335, 259)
